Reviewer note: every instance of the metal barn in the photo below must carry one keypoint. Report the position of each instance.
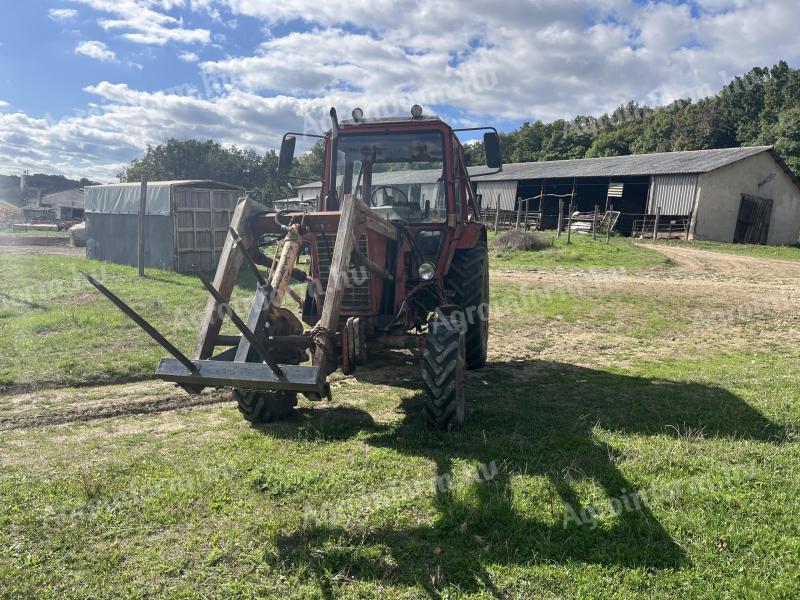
(185, 223)
(727, 195)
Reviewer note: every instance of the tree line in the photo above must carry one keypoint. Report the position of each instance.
(761, 107)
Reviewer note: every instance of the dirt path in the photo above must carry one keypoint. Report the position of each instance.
(731, 266)
(48, 407)
(693, 272)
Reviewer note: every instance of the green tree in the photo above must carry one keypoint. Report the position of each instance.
(206, 159)
(310, 165)
(616, 142)
(787, 137)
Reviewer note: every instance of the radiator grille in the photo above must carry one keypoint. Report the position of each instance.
(356, 295)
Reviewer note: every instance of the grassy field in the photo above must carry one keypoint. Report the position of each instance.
(58, 330)
(632, 436)
(581, 253)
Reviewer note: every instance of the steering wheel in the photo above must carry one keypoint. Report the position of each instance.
(387, 187)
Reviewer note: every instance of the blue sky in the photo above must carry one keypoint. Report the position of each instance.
(85, 85)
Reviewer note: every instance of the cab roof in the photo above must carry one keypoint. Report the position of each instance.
(391, 120)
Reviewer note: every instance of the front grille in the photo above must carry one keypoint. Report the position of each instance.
(356, 295)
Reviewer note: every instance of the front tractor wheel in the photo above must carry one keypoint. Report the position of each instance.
(468, 280)
(443, 363)
(259, 406)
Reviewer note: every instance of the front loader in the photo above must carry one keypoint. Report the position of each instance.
(398, 261)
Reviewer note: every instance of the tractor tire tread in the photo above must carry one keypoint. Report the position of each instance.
(468, 279)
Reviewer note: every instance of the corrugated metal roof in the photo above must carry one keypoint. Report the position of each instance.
(663, 163)
(406, 177)
(177, 183)
(68, 198)
(393, 178)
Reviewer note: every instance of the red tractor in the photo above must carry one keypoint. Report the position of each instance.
(398, 260)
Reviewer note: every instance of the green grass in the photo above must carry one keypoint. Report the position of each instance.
(780, 252)
(58, 330)
(581, 253)
(595, 399)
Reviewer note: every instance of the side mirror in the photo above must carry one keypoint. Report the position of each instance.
(491, 147)
(287, 154)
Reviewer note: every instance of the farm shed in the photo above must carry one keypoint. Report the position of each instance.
(67, 205)
(725, 195)
(186, 223)
(310, 192)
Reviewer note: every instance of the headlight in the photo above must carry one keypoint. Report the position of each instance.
(426, 271)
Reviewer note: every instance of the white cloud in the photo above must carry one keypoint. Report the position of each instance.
(480, 61)
(100, 141)
(96, 50)
(3, 104)
(142, 23)
(189, 57)
(516, 60)
(62, 14)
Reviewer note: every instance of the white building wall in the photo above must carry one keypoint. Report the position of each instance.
(719, 196)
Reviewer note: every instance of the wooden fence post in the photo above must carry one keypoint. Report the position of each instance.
(594, 222)
(560, 217)
(497, 214)
(569, 222)
(142, 208)
(655, 226)
(527, 205)
(608, 225)
(519, 212)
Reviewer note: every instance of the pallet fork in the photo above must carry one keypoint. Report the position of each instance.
(249, 364)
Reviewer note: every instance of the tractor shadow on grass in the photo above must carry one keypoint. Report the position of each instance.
(326, 423)
(541, 425)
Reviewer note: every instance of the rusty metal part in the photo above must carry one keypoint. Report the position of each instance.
(267, 261)
(283, 270)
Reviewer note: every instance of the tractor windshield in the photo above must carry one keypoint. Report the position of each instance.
(400, 175)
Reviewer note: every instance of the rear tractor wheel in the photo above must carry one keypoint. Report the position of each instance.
(443, 363)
